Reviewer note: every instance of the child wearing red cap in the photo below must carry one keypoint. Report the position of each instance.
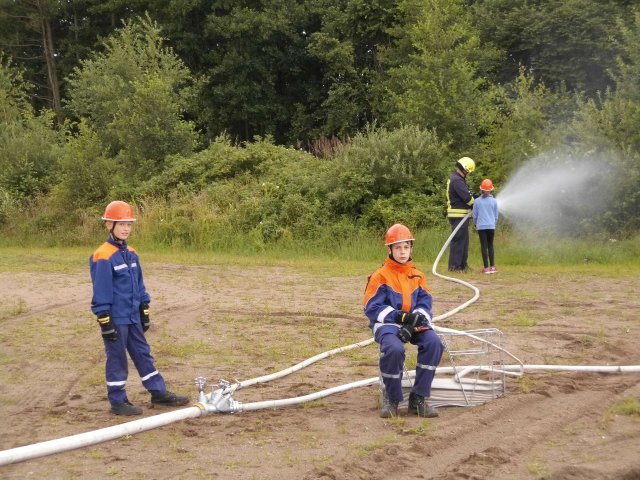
(121, 305)
(485, 218)
(398, 303)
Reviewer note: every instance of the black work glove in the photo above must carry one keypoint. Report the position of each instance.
(144, 316)
(106, 327)
(420, 321)
(402, 318)
(405, 333)
(413, 319)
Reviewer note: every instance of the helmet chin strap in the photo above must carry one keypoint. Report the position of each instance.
(113, 235)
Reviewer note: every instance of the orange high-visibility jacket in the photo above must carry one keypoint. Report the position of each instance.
(395, 288)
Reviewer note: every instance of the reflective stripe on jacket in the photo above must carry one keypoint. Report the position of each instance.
(459, 198)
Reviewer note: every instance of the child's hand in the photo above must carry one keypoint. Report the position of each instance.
(415, 319)
(144, 316)
(422, 321)
(106, 327)
(405, 333)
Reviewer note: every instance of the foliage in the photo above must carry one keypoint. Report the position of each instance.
(87, 175)
(380, 163)
(565, 42)
(14, 92)
(133, 96)
(254, 82)
(299, 70)
(220, 160)
(293, 70)
(437, 83)
(386, 94)
(529, 123)
(29, 143)
(269, 193)
(608, 127)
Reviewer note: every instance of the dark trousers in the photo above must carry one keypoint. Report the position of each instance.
(486, 247)
(130, 339)
(459, 246)
(392, 355)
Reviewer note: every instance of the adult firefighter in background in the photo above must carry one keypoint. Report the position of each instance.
(398, 303)
(459, 204)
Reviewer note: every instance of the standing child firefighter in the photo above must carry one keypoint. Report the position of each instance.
(485, 218)
(121, 305)
(398, 303)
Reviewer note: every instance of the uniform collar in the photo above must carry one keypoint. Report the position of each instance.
(397, 267)
(121, 246)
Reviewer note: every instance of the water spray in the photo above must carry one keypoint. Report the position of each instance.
(556, 192)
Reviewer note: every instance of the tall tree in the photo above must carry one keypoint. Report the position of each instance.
(347, 48)
(294, 70)
(133, 95)
(561, 41)
(255, 74)
(433, 72)
(28, 37)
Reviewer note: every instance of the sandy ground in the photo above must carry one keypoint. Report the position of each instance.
(240, 323)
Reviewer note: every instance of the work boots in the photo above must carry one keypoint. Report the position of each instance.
(169, 399)
(389, 408)
(419, 405)
(126, 408)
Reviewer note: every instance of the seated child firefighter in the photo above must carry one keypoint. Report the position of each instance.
(398, 303)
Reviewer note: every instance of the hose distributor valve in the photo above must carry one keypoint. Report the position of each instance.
(221, 399)
(201, 383)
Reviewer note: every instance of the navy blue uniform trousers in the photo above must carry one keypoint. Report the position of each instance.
(130, 339)
(392, 356)
(459, 246)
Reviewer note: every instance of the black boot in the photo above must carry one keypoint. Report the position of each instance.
(169, 399)
(389, 408)
(126, 408)
(419, 405)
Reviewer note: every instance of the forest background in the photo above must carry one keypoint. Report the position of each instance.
(272, 123)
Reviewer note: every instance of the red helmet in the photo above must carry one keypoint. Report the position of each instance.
(398, 233)
(118, 211)
(486, 185)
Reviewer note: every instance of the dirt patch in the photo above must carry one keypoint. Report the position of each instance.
(239, 323)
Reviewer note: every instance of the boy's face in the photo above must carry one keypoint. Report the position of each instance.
(401, 252)
(121, 230)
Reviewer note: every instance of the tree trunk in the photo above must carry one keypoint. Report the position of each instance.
(48, 52)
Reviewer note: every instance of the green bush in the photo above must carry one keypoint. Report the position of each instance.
(196, 172)
(271, 194)
(381, 170)
(411, 208)
(28, 162)
(87, 175)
